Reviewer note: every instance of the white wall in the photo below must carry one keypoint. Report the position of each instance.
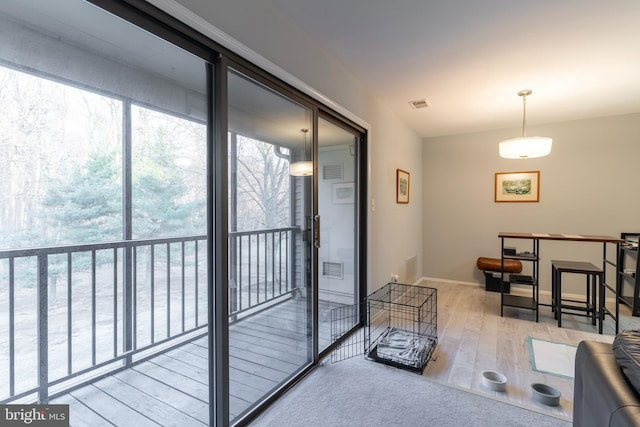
(395, 230)
(338, 220)
(587, 186)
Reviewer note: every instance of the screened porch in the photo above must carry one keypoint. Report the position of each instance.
(122, 336)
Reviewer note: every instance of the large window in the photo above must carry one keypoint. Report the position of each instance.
(60, 184)
(103, 209)
(271, 339)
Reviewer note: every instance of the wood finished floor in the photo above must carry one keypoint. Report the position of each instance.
(473, 337)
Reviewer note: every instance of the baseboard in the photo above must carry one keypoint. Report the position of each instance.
(435, 279)
(515, 289)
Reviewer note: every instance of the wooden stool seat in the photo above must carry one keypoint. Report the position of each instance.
(495, 264)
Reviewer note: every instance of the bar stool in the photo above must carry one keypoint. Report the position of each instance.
(594, 278)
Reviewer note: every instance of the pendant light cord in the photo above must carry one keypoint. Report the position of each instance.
(523, 94)
(524, 115)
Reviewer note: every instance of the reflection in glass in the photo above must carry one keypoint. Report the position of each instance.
(337, 189)
(270, 330)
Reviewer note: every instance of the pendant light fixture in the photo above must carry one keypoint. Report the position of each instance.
(305, 167)
(525, 147)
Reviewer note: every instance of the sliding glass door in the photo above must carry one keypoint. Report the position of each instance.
(338, 274)
(126, 134)
(270, 252)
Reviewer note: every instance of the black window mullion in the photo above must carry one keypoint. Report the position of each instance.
(218, 238)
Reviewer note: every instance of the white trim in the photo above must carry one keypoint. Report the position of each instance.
(369, 214)
(204, 27)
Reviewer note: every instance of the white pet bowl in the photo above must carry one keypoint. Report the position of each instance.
(545, 394)
(494, 381)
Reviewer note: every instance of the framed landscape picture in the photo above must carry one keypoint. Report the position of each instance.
(517, 186)
(402, 186)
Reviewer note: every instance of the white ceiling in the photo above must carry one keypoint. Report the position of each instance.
(469, 58)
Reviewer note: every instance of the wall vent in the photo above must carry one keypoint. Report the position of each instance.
(333, 172)
(419, 103)
(411, 269)
(333, 270)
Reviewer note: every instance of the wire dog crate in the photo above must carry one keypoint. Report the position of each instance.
(402, 326)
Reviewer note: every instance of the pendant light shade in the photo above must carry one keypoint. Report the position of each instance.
(301, 169)
(525, 147)
(304, 167)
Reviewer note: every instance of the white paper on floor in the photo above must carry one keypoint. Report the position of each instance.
(552, 357)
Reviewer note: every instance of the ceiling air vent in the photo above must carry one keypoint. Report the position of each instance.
(332, 172)
(419, 103)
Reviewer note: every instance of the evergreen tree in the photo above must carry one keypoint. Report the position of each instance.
(162, 201)
(87, 207)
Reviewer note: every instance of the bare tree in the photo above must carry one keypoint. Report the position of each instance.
(48, 131)
(263, 186)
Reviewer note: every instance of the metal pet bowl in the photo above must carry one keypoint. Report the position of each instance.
(494, 381)
(545, 394)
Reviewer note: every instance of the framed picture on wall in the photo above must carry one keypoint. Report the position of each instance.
(402, 186)
(344, 193)
(517, 186)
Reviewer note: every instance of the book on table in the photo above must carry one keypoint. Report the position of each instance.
(520, 278)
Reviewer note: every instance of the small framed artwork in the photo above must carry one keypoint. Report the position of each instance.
(517, 186)
(344, 193)
(402, 186)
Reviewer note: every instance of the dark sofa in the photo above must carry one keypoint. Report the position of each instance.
(607, 382)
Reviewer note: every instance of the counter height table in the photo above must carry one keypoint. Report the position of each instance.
(534, 256)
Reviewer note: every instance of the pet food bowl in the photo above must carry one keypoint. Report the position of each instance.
(494, 381)
(545, 394)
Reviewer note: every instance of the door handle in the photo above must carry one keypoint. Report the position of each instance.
(316, 231)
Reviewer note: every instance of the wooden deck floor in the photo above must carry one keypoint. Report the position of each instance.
(172, 389)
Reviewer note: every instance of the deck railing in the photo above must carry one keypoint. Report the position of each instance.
(260, 267)
(78, 310)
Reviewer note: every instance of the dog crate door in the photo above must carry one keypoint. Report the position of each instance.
(344, 329)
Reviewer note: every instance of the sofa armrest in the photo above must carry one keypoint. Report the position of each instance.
(602, 394)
